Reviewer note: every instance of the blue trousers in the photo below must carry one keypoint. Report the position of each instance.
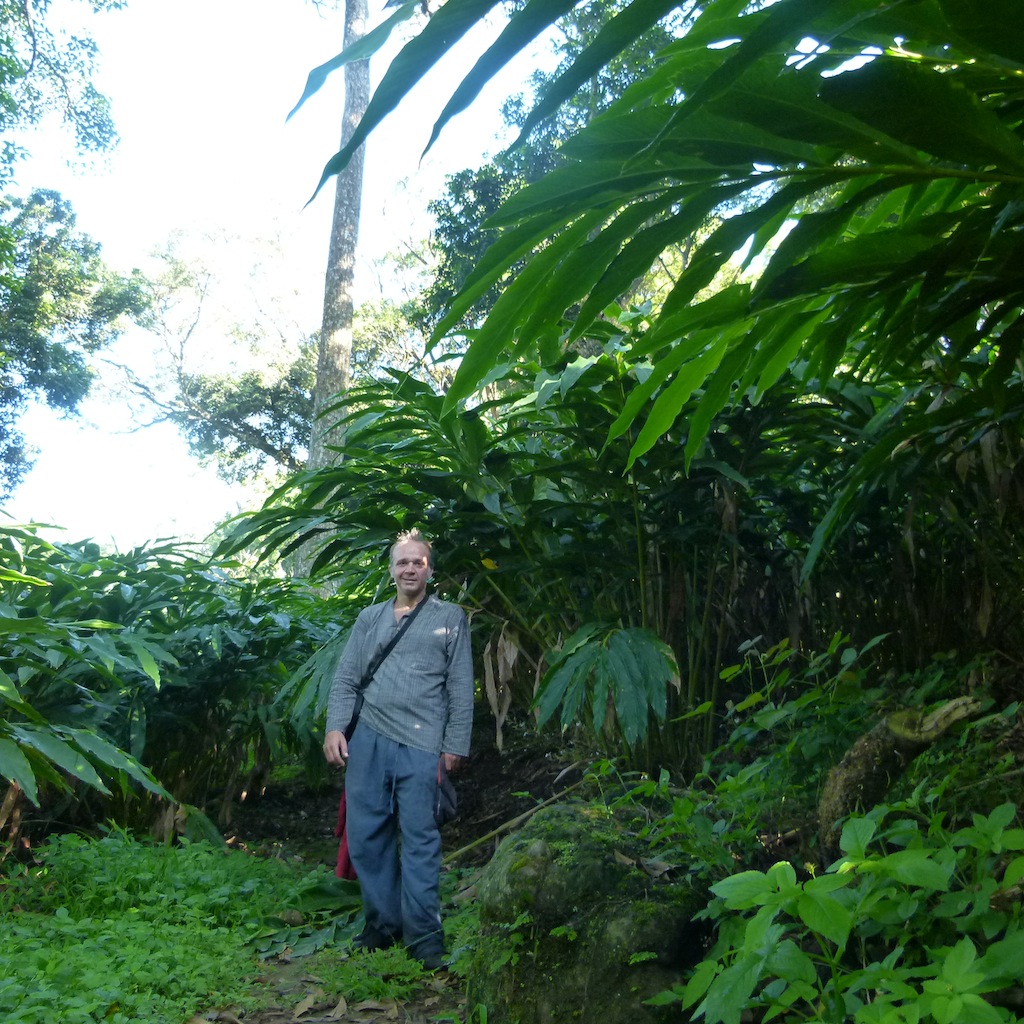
(390, 789)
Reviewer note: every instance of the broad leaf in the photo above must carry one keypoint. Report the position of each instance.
(60, 753)
(15, 767)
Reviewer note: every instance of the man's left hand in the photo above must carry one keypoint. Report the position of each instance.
(452, 762)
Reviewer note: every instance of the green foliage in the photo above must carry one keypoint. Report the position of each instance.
(461, 234)
(791, 712)
(906, 926)
(539, 532)
(242, 420)
(625, 671)
(45, 68)
(813, 431)
(52, 671)
(57, 300)
(254, 421)
(918, 920)
(115, 930)
(867, 224)
(156, 657)
(384, 976)
(528, 534)
(58, 304)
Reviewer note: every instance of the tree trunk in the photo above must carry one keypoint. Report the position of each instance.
(878, 758)
(335, 349)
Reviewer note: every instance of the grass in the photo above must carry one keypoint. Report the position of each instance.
(116, 930)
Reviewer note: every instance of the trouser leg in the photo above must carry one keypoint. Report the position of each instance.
(415, 787)
(373, 831)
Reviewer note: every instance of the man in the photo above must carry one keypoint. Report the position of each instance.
(417, 708)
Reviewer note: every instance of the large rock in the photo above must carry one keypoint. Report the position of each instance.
(577, 927)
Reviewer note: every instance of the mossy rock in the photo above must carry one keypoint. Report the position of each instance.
(574, 928)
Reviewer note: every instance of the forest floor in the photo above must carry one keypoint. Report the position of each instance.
(293, 820)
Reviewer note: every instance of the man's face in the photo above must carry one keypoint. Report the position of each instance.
(410, 568)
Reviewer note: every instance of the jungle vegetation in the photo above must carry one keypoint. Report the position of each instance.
(729, 469)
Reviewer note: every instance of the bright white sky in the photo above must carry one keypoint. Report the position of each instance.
(200, 90)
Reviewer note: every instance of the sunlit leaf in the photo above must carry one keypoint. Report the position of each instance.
(442, 30)
(362, 49)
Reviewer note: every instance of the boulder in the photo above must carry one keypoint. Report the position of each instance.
(576, 925)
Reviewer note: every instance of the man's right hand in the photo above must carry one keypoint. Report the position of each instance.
(336, 748)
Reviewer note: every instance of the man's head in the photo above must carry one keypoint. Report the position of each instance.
(412, 561)
(415, 536)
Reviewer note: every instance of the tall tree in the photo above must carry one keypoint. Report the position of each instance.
(59, 304)
(43, 68)
(334, 350)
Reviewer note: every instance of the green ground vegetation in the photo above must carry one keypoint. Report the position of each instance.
(111, 928)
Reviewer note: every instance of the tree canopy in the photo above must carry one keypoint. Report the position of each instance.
(59, 304)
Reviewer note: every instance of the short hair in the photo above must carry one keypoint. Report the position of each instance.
(417, 537)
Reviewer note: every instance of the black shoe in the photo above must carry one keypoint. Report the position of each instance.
(371, 939)
(432, 961)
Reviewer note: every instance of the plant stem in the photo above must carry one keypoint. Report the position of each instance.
(511, 824)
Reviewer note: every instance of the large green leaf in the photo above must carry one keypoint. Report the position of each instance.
(670, 402)
(523, 27)
(515, 306)
(929, 111)
(15, 767)
(441, 32)
(618, 33)
(62, 754)
(362, 49)
(111, 757)
(993, 26)
(625, 670)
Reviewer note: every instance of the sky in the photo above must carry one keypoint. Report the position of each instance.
(200, 91)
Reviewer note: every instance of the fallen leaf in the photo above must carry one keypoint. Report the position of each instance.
(657, 868)
(340, 1010)
(621, 858)
(389, 1007)
(308, 1003)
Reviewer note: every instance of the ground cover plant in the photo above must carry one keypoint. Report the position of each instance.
(914, 915)
(113, 929)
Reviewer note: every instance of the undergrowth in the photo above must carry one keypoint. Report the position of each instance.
(116, 930)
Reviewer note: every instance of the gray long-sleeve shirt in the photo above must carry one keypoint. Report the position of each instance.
(422, 694)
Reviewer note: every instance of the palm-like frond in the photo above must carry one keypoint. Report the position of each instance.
(865, 160)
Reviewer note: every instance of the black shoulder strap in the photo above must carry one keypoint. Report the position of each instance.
(390, 645)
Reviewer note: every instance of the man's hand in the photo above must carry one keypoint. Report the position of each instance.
(336, 748)
(452, 762)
